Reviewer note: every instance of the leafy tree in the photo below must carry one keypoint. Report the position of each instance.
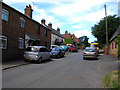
(99, 30)
(83, 41)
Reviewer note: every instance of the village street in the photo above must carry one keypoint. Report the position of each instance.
(68, 72)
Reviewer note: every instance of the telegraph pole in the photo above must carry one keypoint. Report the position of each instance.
(106, 29)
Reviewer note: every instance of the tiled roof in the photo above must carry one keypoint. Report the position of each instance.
(117, 32)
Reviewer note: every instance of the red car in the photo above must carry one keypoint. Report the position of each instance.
(73, 49)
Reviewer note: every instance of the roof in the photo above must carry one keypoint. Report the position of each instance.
(56, 33)
(32, 36)
(117, 32)
(26, 16)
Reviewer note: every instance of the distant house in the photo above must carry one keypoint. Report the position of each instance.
(56, 37)
(72, 37)
(113, 47)
(20, 31)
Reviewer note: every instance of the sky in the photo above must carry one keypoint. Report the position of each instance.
(75, 16)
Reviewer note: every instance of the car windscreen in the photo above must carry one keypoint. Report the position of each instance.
(55, 49)
(31, 49)
(90, 50)
(94, 45)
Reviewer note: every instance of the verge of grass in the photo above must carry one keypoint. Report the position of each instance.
(112, 80)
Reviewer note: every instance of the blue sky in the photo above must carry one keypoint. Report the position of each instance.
(75, 16)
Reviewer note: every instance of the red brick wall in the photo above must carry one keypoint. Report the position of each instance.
(112, 49)
(66, 36)
(13, 32)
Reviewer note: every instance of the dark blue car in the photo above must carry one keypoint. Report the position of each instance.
(58, 52)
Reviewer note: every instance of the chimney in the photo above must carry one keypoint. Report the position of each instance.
(28, 11)
(43, 21)
(58, 30)
(50, 25)
(66, 32)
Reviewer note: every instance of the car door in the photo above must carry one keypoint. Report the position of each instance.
(42, 53)
(47, 53)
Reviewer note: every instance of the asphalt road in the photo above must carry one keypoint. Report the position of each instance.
(68, 72)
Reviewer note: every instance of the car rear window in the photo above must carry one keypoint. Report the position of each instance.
(31, 49)
(90, 50)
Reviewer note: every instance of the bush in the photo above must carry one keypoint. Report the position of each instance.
(118, 42)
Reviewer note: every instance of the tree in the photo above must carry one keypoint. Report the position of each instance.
(99, 30)
(84, 41)
(67, 41)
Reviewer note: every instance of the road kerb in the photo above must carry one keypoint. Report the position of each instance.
(12, 66)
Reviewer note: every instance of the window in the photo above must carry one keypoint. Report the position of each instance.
(5, 15)
(22, 22)
(3, 42)
(112, 45)
(115, 45)
(45, 32)
(45, 44)
(38, 29)
(21, 43)
(42, 50)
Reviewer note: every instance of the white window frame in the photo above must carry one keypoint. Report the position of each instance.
(21, 43)
(1, 44)
(5, 14)
(22, 22)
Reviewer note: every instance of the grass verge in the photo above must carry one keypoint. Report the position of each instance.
(112, 80)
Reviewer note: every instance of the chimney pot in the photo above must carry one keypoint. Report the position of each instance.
(66, 32)
(58, 30)
(43, 21)
(28, 11)
(50, 25)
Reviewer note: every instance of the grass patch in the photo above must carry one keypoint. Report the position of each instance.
(112, 80)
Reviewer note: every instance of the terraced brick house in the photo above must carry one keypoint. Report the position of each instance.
(20, 31)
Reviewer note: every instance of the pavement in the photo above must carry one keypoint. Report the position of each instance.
(11, 64)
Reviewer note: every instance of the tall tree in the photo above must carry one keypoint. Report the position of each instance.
(84, 41)
(99, 30)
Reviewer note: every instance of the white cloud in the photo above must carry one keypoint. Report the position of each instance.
(76, 19)
(78, 26)
(80, 33)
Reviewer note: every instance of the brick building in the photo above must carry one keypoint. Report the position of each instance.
(19, 31)
(113, 47)
(56, 37)
(74, 39)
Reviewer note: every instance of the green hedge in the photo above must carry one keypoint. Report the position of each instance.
(118, 42)
(67, 41)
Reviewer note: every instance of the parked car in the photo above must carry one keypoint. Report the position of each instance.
(90, 52)
(52, 46)
(37, 53)
(58, 52)
(101, 51)
(64, 47)
(73, 48)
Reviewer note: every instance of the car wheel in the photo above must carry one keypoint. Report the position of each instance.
(84, 58)
(58, 56)
(25, 60)
(39, 60)
(50, 58)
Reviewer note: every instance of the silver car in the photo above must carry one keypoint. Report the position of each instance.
(37, 53)
(90, 52)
